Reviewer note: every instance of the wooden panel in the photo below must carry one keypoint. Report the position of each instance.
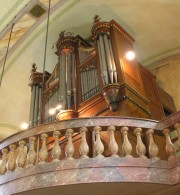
(152, 94)
(128, 72)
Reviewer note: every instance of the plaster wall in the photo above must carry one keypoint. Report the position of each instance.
(167, 72)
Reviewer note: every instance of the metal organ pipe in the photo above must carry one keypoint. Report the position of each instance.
(100, 60)
(69, 80)
(74, 81)
(40, 104)
(108, 57)
(36, 105)
(31, 118)
(112, 60)
(82, 85)
(63, 75)
(103, 58)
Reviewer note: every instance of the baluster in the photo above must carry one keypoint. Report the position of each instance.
(31, 157)
(98, 146)
(177, 127)
(3, 162)
(84, 148)
(69, 150)
(11, 161)
(43, 153)
(56, 151)
(140, 147)
(21, 158)
(170, 149)
(113, 147)
(126, 147)
(153, 149)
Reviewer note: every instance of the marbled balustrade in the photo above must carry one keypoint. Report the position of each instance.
(91, 171)
(119, 168)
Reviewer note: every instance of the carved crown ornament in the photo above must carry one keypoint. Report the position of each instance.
(66, 41)
(36, 78)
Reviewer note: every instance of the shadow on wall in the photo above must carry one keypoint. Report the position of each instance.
(7, 130)
(167, 72)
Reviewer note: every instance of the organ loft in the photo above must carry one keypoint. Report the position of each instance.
(97, 120)
(97, 77)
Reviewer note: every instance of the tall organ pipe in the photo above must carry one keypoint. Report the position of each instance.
(31, 118)
(82, 85)
(108, 57)
(40, 104)
(74, 81)
(104, 65)
(63, 81)
(36, 105)
(112, 60)
(103, 72)
(69, 80)
(100, 60)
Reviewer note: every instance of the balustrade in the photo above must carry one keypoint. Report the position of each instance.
(31, 157)
(51, 149)
(126, 147)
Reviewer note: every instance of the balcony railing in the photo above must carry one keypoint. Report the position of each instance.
(49, 149)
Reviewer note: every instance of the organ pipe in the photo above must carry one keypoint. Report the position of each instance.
(74, 81)
(36, 108)
(31, 118)
(103, 58)
(112, 60)
(40, 104)
(69, 80)
(108, 57)
(63, 82)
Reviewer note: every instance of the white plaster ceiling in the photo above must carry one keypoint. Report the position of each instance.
(153, 23)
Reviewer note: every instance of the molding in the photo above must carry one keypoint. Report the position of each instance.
(10, 11)
(165, 54)
(7, 125)
(163, 62)
(38, 33)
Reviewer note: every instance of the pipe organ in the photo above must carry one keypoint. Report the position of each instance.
(106, 59)
(93, 78)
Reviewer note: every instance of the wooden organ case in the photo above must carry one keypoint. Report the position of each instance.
(94, 79)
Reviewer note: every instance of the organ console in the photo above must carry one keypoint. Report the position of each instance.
(93, 78)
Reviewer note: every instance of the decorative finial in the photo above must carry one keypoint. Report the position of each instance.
(61, 35)
(33, 67)
(96, 18)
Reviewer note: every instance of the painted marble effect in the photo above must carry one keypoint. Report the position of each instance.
(91, 171)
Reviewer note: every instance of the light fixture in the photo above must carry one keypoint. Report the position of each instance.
(58, 107)
(52, 111)
(24, 126)
(130, 55)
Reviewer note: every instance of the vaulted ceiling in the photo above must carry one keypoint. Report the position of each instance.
(154, 25)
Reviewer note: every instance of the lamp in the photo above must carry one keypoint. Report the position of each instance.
(52, 111)
(24, 126)
(130, 55)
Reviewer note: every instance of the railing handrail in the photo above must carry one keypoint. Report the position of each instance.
(75, 124)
